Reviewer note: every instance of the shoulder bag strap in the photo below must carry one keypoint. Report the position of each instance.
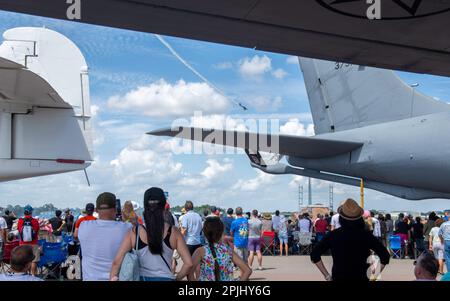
(137, 237)
(169, 231)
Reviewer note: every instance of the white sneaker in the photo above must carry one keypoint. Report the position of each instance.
(260, 268)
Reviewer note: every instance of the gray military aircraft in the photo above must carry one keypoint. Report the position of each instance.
(369, 125)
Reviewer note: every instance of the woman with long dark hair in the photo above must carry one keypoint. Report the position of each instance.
(155, 243)
(350, 246)
(215, 261)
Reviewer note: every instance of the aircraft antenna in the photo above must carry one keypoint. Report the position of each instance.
(198, 74)
(87, 177)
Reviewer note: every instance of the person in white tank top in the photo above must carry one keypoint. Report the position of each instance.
(155, 244)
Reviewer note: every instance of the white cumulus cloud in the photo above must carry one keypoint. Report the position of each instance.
(295, 127)
(138, 162)
(162, 99)
(279, 73)
(211, 172)
(254, 184)
(255, 67)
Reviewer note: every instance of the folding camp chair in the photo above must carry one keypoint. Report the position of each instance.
(5, 261)
(54, 254)
(305, 243)
(395, 246)
(268, 243)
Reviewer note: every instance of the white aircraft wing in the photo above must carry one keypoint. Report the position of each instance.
(18, 84)
(299, 146)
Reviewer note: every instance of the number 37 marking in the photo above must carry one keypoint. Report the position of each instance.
(339, 65)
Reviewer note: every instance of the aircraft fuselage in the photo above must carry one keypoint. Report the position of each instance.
(413, 153)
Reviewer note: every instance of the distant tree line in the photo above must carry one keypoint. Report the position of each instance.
(46, 208)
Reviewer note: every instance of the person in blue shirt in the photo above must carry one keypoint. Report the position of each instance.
(191, 227)
(239, 230)
(444, 235)
(227, 221)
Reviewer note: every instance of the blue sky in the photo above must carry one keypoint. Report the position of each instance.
(125, 69)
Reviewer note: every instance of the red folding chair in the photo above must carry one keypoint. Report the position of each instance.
(6, 260)
(268, 243)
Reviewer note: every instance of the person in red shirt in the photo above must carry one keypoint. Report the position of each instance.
(28, 228)
(88, 217)
(320, 226)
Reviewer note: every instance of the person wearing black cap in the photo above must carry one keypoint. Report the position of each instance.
(155, 243)
(89, 210)
(100, 239)
(350, 247)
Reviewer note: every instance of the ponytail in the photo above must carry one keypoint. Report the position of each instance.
(154, 226)
(216, 264)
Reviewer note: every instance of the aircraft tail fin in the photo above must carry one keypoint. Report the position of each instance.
(45, 113)
(345, 96)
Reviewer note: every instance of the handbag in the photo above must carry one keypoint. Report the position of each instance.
(129, 270)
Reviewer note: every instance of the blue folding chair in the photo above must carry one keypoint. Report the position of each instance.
(53, 255)
(395, 246)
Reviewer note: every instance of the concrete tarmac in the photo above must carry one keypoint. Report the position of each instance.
(300, 268)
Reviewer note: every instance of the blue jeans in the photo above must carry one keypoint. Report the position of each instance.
(319, 236)
(447, 254)
(143, 278)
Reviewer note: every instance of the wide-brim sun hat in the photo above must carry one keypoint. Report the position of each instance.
(350, 210)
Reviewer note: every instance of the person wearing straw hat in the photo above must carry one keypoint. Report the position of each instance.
(350, 246)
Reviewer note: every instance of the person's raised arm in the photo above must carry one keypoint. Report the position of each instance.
(243, 267)
(125, 247)
(183, 250)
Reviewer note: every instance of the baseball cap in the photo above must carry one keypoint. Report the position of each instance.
(28, 208)
(90, 208)
(154, 196)
(106, 200)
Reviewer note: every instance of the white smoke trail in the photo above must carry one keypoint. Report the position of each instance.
(169, 47)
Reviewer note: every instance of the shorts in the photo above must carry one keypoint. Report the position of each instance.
(192, 248)
(283, 237)
(36, 253)
(438, 250)
(254, 244)
(404, 238)
(242, 252)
